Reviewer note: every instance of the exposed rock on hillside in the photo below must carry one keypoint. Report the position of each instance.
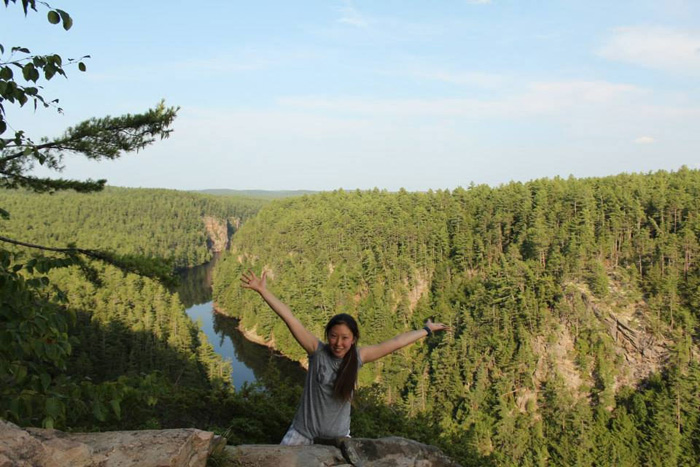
(20, 447)
(641, 350)
(217, 231)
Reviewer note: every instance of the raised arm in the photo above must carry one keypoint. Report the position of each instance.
(259, 284)
(377, 351)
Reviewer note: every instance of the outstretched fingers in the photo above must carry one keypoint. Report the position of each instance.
(437, 327)
(250, 281)
(246, 278)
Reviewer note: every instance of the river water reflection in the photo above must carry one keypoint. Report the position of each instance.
(250, 361)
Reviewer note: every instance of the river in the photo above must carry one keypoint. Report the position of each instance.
(250, 361)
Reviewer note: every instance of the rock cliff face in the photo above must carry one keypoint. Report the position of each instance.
(218, 233)
(640, 350)
(24, 447)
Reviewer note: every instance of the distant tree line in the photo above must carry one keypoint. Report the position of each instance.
(147, 222)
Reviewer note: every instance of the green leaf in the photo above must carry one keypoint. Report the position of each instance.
(49, 71)
(20, 374)
(3, 127)
(53, 407)
(27, 71)
(45, 381)
(81, 66)
(53, 17)
(116, 407)
(6, 73)
(67, 20)
(98, 411)
(14, 407)
(48, 423)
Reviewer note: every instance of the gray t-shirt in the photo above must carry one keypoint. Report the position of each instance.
(320, 414)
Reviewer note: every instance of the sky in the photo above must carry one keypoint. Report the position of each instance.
(321, 95)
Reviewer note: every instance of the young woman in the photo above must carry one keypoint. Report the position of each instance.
(324, 410)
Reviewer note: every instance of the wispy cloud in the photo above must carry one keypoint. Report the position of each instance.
(645, 140)
(240, 61)
(466, 78)
(478, 2)
(351, 16)
(655, 47)
(543, 98)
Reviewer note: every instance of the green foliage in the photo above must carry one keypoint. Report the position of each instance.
(86, 369)
(103, 138)
(131, 223)
(34, 345)
(32, 68)
(529, 275)
(105, 348)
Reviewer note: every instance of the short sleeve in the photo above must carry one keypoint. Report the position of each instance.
(319, 347)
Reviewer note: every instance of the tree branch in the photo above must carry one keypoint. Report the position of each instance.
(47, 248)
(155, 268)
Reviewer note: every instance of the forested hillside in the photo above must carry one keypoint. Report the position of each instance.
(149, 222)
(574, 304)
(119, 351)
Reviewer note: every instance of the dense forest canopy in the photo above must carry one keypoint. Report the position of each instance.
(85, 344)
(150, 222)
(116, 353)
(574, 303)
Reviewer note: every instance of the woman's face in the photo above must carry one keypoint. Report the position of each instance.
(340, 339)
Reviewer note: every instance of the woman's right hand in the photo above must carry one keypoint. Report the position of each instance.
(250, 281)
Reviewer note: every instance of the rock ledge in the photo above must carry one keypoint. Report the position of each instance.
(21, 447)
(36, 447)
(364, 452)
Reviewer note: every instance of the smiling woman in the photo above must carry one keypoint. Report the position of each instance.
(324, 410)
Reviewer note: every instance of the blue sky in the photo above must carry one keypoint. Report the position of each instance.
(359, 94)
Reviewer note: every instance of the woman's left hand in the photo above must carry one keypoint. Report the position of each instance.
(436, 327)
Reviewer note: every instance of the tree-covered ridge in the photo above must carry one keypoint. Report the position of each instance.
(562, 294)
(148, 222)
(121, 354)
(256, 194)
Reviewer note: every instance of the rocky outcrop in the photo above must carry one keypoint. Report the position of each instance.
(383, 452)
(642, 349)
(644, 352)
(217, 233)
(189, 447)
(20, 447)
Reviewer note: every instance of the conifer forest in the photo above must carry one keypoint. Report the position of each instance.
(574, 306)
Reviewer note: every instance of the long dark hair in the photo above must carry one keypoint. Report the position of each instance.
(347, 372)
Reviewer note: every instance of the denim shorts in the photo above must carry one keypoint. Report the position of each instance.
(294, 438)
